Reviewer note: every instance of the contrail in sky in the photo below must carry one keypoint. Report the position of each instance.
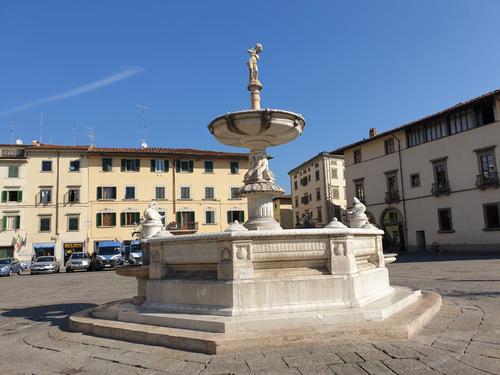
(76, 91)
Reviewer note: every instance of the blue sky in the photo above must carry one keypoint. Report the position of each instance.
(345, 66)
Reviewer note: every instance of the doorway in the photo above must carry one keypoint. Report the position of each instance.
(392, 224)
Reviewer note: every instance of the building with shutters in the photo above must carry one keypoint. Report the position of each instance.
(318, 190)
(60, 199)
(432, 184)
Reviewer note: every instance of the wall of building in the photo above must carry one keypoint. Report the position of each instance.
(465, 198)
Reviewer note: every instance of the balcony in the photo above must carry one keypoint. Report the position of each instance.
(440, 188)
(486, 180)
(392, 196)
(183, 228)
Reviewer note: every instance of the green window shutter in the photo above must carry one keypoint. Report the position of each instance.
(113, 219)
(229, 217)
(99, 193)
(137, 165)
(18, 222)
(98, 220)
(166, 166)
(137, 218)
(153, 164)
(122, 218)
(191, 166)
(177, 165)
(114, 192)
(19, 196)
(241, 217)
(191, 217)
(178, 217)
(4, 223)
(4, 196)
(124, 165)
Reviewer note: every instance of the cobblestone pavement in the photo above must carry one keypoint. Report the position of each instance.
(464, 338)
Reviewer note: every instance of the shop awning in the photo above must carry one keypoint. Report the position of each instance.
(44, 245)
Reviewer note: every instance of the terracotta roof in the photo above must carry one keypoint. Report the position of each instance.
(421, 121)
(138, 150)
(322, 153)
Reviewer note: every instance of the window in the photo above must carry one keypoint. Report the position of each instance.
(488, 176)
(45, 195)
(131, 165)
(184, 166)
(319, 214)
(46, 165)
(462, 121)
(185, 192)
(359, 190)
(334, 172)
(12, 196)
(107, 164)
(106, 192)
(73, 223)
(74, 195)
(235, 215)
(357, 156)
(392, 182)
(423, 133)
(492, 215)
(44, 224)
(234, 193)
(295, 185)
(234, 166)
(335, 192)
(106, 219)
(318, 194)
(296, 201)
(415, 180)
(209, 217)
(485, 115)
(13, 171)
(130, 219)
(209, 192)
(129, 192)
(209, 166)
(305, 199)
(74, 165)
(316, 173)
(160, 192)
(389, 146)
(441, 183)
(159, 165)
(11, 222)
(304, 181)
(186, 220)
(444, 217)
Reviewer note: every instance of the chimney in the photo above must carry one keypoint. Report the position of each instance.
(373, 132)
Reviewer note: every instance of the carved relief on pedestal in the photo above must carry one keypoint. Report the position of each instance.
(155, 255)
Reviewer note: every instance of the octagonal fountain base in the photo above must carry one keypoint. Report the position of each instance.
(244, 290)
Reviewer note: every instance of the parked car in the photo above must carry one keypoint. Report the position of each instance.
(45, 264)
(9, 266)
(78, 261)
(108, 255)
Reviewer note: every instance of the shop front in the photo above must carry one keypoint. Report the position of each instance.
(70, 248)
(44, 249)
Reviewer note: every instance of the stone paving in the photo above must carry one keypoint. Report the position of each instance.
(464, 338)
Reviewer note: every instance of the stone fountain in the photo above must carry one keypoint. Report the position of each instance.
(255, 284)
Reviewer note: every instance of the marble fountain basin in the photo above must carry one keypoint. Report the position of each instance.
(259, 128)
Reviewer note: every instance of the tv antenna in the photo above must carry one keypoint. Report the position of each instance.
(74, 134)
(41, 126)
(11, 129)
(143, 109)
(91, 135)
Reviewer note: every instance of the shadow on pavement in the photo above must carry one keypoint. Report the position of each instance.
(446, 257)
(56, 315)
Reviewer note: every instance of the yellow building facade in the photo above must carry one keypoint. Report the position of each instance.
(73, 197)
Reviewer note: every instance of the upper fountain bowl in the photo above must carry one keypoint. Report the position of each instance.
(257, 128)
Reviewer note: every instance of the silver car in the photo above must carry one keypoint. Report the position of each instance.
(9, 266)
(45, 264)
(78, 261)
